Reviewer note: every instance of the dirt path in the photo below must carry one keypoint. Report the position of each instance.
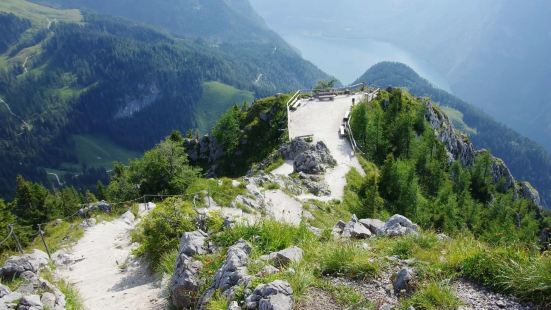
(106, 275)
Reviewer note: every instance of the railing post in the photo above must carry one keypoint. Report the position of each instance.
(41, 233)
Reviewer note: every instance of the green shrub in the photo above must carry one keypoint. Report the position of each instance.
(167, 263)
(433, 296)
(161, 230)
(267, 236)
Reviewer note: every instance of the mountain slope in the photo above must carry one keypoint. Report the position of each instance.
(64, 73)
(526, 159)
(230, 28)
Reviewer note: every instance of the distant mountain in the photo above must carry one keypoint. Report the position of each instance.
(72, 82)
(493, 53)
(526, 159)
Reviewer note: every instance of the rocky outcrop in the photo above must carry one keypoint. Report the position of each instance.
(276, 295)
(185, 282)
(376, 226)
(527, 191)
(501, 175)
(232, 273)
(457, 145)
(194, 243)
(33, 292)
(16, 265)
(203, 149)
(399, 225)
(308, 158)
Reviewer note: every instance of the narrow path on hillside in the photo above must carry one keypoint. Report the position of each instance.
(105, 273)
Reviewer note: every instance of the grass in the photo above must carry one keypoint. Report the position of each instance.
(216, 99)
(38, 14)
(222, 191)
(433, 296)
(457, 119)
(344, 295)
(59, 236)
(275, 164)
(347, 260)
(96, 151)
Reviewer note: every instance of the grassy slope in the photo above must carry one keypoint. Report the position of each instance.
(95, 151)
(457, 119)
(216, 99)
(38, 14)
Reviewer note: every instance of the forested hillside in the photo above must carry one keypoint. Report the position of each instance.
(64, 74)
(526, 159)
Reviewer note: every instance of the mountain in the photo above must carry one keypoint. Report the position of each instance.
(493, 54)
(73, 82)
(526, 158)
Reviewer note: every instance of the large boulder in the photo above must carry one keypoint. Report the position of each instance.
(234, 269)
(194, 243)
(30, 302)
(16, 265)
(399, 225)
(288, 256)
(128, 217)
(374, 225)
(185, 282)
(4, 290)
(277, 295)
(308, 158)
(353, 229)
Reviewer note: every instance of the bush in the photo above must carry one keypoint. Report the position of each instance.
(160, 232)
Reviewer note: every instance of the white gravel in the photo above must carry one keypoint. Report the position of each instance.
(106, 275)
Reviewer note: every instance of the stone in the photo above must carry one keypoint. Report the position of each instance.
(234, 306)
(194, 243)
(276, 295)
(316, 231)
(267, 270)
(128, 217)
(354, 229)
(527, 191)
(287, 256)
(11, 297)
(234, 269)
(399, 225)
(374, 225)
(308, 158)
(338, 228)
(4, 290)
(16, 265)
(62, 258)
(87, 223)
(403, 280)
(185, 282)
(30, 302)
(48, 300)
(386, 307)
(253, 203)
(101, 206)
(442, 237)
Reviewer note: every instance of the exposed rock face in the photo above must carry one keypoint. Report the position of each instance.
(16, 265)
(204, 149)
(232, 273)
(185, 282)
(306, 157)
(399, 225)
(276, 295)
(501, 174)
(458, 145)
(4, 290)
(527, 191)
(193, 243)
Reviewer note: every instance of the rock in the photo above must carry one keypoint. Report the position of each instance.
(58, 222)
(527, 191)
(87, 223)
(442, 237)
(11, 297)
(4, 290)
(267, 270)
(306, 157)
(403, 280)
(338, 228)
(500, 304)
(318, 188)
(502, 175)
(234, 269)
(185, 282)
(101, 206)
(194, 243)
(48, 300)
(276, 295)
(386, 307)
(16, 265)
(252, 203)
(288, 256)
(234, 306)
(307, 215)
(457, 145)
(410, 308)
(254, 190)
(30, 302)
(316, 231)
(62, 258)
(399, 225)
(128, 217)
(374, 225)
(203, 149)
